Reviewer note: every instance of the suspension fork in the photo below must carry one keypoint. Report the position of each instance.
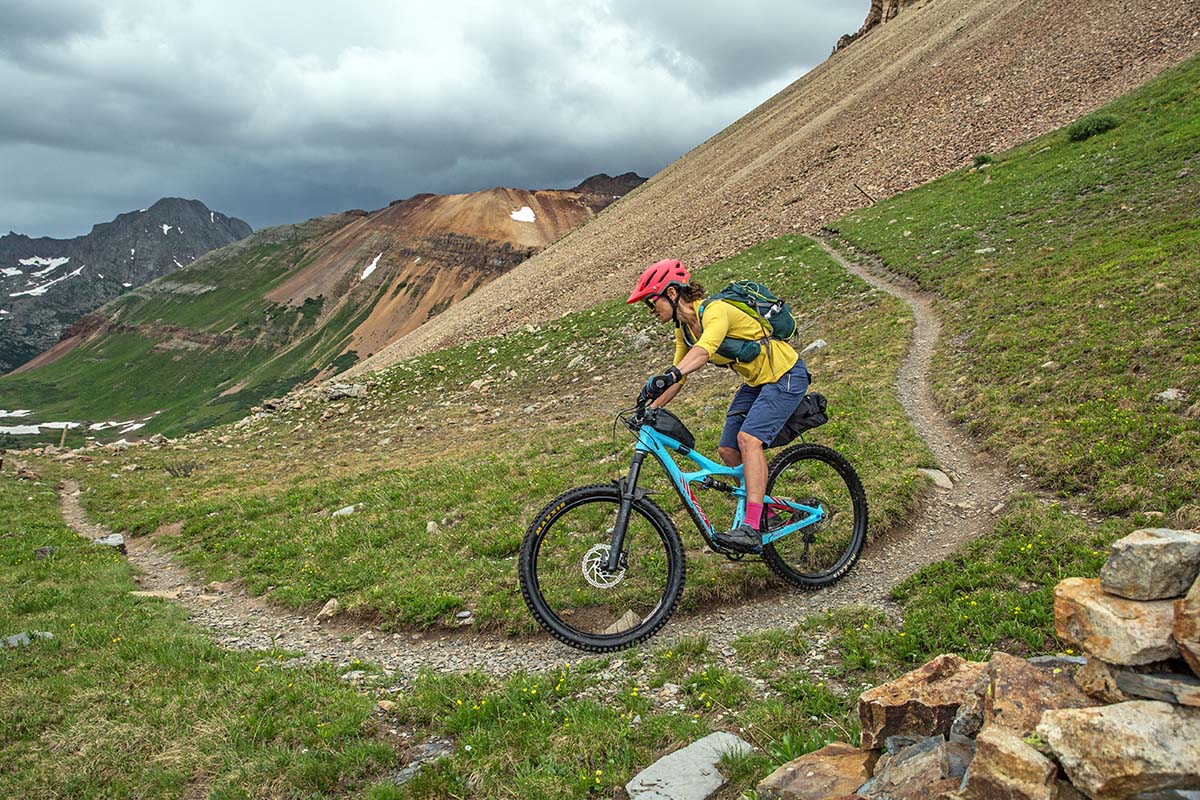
(629, 493)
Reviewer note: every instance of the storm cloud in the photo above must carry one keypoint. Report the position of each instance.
(276, 112)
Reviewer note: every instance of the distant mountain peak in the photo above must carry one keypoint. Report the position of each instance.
(605, 184)
(47, 284)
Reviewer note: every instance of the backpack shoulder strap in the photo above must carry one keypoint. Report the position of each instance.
(686, 329)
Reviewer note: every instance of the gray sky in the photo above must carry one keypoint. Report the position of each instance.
(280, 111)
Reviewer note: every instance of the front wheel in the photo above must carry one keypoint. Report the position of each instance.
(564, 582)
(823, 552)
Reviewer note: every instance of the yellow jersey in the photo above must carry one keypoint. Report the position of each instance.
(721, 320)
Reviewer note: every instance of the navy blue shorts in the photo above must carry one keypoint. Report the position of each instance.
(761, 411)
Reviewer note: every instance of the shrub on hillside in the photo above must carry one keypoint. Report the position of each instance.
(982, 159)
(1088, 127)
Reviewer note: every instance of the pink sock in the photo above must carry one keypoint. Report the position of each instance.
(754, 514)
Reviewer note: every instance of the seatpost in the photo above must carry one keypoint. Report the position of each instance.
(628, 492)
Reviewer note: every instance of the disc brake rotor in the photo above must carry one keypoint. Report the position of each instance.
(593, 568)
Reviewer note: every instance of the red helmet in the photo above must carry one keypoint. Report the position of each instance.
(658, 276)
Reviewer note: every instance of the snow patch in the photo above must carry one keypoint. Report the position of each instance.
(132, 250)
(525, 214)
(133, 427)
(176, 260)
(38, 291)
(9, 272)
(127, 285)
(370, 268)
(38, 261)
(33, 430)
(210, 217)
(20, 412)
(166, 229)
(42, 272)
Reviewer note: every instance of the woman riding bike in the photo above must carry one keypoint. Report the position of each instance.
(775, 380)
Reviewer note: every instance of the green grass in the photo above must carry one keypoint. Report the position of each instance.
(128, 700)
(1066, 273)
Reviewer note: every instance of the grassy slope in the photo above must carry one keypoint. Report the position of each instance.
(1067, 273)
(128, 700)
(993, 594)
(263, 514)
(126, 375)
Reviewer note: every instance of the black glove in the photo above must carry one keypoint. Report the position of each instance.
(657, 384)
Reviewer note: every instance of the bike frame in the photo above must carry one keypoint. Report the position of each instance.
(657, 444)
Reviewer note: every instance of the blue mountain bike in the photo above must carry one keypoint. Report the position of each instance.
(602, 567)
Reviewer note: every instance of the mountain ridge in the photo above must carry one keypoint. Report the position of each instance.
(47, 284)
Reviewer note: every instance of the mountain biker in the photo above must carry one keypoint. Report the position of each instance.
(774, 382)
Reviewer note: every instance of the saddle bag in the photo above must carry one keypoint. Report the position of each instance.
(809, 414)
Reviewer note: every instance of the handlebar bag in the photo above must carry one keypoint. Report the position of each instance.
(670, 425)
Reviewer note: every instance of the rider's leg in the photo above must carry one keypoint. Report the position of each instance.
(729, 451)
(755, 466)
(730, 456)
(773, 404)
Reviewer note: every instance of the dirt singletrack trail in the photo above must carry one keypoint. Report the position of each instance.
(946, 519)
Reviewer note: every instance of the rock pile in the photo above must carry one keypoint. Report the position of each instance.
(1122, 721)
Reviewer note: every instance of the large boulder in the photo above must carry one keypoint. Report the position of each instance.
(1118, 751)
(1112, 628)
(919, 703)
(1186, 628)
(1019, 692)
(1152, 564)
(835, 770)
(1005, 766)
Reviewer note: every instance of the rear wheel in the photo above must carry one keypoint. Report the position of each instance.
(823, 552)
(564, 582)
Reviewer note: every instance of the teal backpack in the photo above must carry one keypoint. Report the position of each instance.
(760, 303)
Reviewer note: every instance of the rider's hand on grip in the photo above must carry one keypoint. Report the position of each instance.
(657, 384)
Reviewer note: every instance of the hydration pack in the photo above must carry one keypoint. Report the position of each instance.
(756, 300)
(761, 303)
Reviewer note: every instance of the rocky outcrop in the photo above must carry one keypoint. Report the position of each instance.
(46, 285)
(1186, 628)
(881, 12)
(1005, 765)
(1045, 728)
(1117, 630)
(836, 770)
(1152, 564)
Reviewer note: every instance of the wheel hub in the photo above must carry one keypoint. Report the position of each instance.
(594, 571)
